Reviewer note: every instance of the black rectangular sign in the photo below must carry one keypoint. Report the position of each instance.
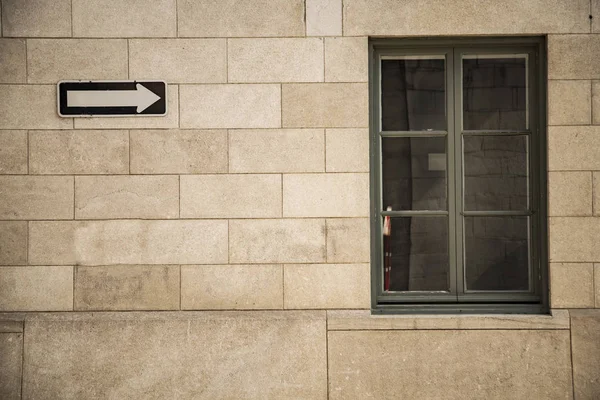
(111, 98)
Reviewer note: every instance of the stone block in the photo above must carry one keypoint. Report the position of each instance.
(277, 241)
(348, 240)
(178, 151)
(346, 59)
(574, 239)
(327, 286)
(571, 285)
(11, 326)
(11, 365)
(79, 152)
(231, 106)
(179, 60)
(30, 107)
(231, 287)
(13, 67)
(347, 150)
(570, 193)
(573, 56)
(127, 287)
(275, 60)
(569, 102)
(112, 197)
(128, 242)
(585, 342)
(13, 242)
(36, 197)
(40, 288)
(36, 18)
(327, 105)
(231, 18)
(276, 150)
(132, 18)
(573, 148)
(323, 17)
(231, 196)
(13, 152)
(326, 195)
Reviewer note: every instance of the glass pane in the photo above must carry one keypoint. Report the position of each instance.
(496, 253)
(495, 173)
(495, 92)
(413, 94)
(414, 173)
(416, 254)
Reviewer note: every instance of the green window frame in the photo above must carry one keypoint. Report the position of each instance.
(458, 299)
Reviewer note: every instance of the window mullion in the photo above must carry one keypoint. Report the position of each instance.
(457, 172)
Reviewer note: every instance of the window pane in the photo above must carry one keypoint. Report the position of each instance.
(414, 173)
(495, 92)
(418, 254)
(413, 94)
(496, 253)
(496, 173)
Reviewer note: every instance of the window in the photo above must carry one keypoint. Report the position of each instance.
(458, 173)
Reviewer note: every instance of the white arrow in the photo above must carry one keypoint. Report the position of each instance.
(141, 98)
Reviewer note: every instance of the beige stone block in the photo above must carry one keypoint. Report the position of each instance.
(327, 286)
(277, 241)
(128, 242)
(569, 102)
(36, 197)
(323, 17)
(570, 193)
(276, 150)
(30, 107)
(458, 364)
(11, 326)
(13, 242)
(36, 18)
(596, 102)
(585, 342)
(574, 148)
(346, 59)
(127, 287)
(79, 152)
(231, 287)
(231, 196)
(328, 105)
(231, 18)
(200, 355)
(13, 152)
(348, 240)
(178, 151)
(11, 365)
(171, 120)
(597, 285)
(231, 106)
(179, 60)
(13, 67)
(347, 150)
(573, 56)
(464, 17)
(571, 285)
(326, 195)
(131, 18)
(574, 239)
(276, 60)
(41, 288)
(111, 197)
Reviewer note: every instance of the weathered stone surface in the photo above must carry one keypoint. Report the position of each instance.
(111, 197)
(573, 148)
(11, 326)
(569, 102)
(52, 60)
(209, 355)
(41, 288)
(127, 287)
(231, 287)
(30, 107)
(574, 239)
(327, 286)
(178, 151)
(573, 56)
(132, 18)
(347, 150)
(11, 365)
(597, 284)
(585, 338)
(571, 285)
(346, 59)
(13, 151)
(13, 62)
(13, 242)
(323, 17)
(275, 60)
(231, 196)
(36, 197)
(501, 364)
(36, 18)
(464, 17)
(276, 150)
(277, 241)
(231, 18)
(348, 240)
(596, 102)
(570, 193)
(179, 60)
(128, 242)
(79, 152)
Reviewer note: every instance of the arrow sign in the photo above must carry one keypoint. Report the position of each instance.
(111, 98)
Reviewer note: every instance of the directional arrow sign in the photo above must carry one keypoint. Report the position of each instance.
(111, 98)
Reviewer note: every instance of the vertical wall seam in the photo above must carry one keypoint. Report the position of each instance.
(281, 105)
(571, 348)
(591, 19)
(343, 17)
(593, 202)
(27, 134)
(28, 242)
(22, 358)
(129, 150)
(179, 196)
(228, 244)
(71, 18)
(327, 350)
(177, 22)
